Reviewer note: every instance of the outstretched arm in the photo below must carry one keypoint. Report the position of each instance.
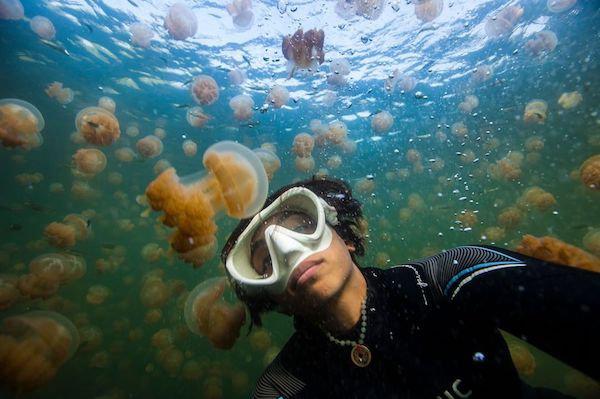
(554, 307)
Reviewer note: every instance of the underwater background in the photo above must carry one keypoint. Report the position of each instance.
(465, 160)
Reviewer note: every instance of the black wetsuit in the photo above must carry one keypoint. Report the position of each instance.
(432, 328)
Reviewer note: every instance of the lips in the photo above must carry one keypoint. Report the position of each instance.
(300, 270)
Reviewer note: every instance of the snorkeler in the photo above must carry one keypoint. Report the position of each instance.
(423, 329)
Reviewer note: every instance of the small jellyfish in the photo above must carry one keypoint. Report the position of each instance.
(405, 83)
(237, 76)
(108, 104)
(89, 161)
(494, 233)
(97, 294)
(181, 22)
(278, 96)
(338, 69)
(241, 13)
(29, 179)
(536, 111)
(469, 104)
(543, 42)
(467, 219)
(508, 168)
(141, 34)
(189, 148)
(207, 314)
(589, 172)
(149, 146)
(242, 106)
(196, 117)
(9, 293)
(205, 90)
(504, 21)
(304, 50)
(152, 252)
(98, 126)
(538, 198)
(413, 156)
(416, 202)
(20, 124)
(235, 181)
(303, 145)
(305, 164)
(154, 293)
(160, 166)
(11, 9)
(382, 122)
(270, 161)
(365, 185)
(133, 130)
(428, 10)
(557, 6)
(334, 162)
(481, 74)
(125, 154)
(369, 9)
(570, 99)
(42, 27)
(337, 132)
(534, 144)
(65, 234)
(66, 267)
(55, 90)
(160, 133)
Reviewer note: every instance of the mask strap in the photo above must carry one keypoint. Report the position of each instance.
(330, 213)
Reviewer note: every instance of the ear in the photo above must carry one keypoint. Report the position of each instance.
(351, 247)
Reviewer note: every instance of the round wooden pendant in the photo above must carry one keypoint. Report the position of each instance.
(361, 355)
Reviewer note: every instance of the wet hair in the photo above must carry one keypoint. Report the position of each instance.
(351, 228)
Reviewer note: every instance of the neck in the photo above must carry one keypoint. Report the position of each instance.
(342, 312)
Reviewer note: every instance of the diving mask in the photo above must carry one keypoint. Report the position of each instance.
(278, 239)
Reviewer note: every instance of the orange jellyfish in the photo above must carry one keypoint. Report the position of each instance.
(570, 99)
(181, 22)
(29, 179)
(97, 294)
(196, 117)
(241, 13)
(543, 42)
(270, 161)
(160, 133)
(65, 266)
(152, 252)
(9, 293)
(554, 250)
(149, 147)
(141, 34)
(303, 145)
(89, 161)
(207, 314)
(155, 292)
(42, 27)
(108, 104)
(460, 130)
(34, 347)
(557, 6)
(98, 126)
(278, 96)
(413, 156)
(63, 95)
(504, 21)
(382, 122)
(236, 182)
(537, 198)
(205, 90)
(337, 132)
(65, 234)
(334, 162)
(589, 172)
(534, 144)
(510, 217)
(536, 111)
(20, 124)
(133, 130)
(125, 154)
(161, 165)
(11, 9)
(189, 148)
(428, 10)
(305, 164)
(242, 106)
(469, 104)
(365, 185)
(304, 50)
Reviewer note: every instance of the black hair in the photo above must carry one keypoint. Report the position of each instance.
(351, 228)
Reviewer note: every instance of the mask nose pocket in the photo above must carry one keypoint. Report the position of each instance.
(285, 250)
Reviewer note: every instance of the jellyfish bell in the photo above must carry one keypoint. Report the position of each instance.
(481, 74)
(207, 314)
(189, 148)
(242, 106)
(89, 161)
(55, 90)
(398, 80)
(65, 266)
(97, 294)
(133, 129)
(303, 145)
(278, 96)
(557, 6)
(428, 10)
(270, 161)
(154, 293)
(42, 27)
(149, 146)
(11, 9)
(305, 164)
(181, 22)
(338, 69)
(66, 233)
(589, 172)
(108, 104)
(237, 76)
(543, 42)
(468, 104)
(235, 181)
(196, 117)
(503, 22)
(98, 126)
(20, 124)
(536, 111)
(125, 154)
(304, 50)
(382, 122)
(205, 90)
(570, 99)
(241, 13)
(337, 132)
(9, 292)
(141, 34)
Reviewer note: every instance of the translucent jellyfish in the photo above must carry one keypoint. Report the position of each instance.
(29, 179)
(542, 43)
(522, 359)
(81, 190)
(459, 129)
(108, 104)
(303, 145)
(189, 148)
(153, 316)
(133, 130)
(369, 9)
(11, 9)
(97, 294)
(591, 241)
(235, 181)
(398, 80)
(66, 267)
(163, 338)
(20, 124)
(504, 21)
(155, 292)
(304, 50)
(413, 156)
(554, 250)
(170, 358)
(237, 76)
(469, 104)
(160, 166)
(467, 219)
(38, 285)
(241, 13)
(141, 34)
(149, 146)
(196, 117)
(9, 293)
(160, 133)
(481, 74)
(416, 202)
(125, 154)
(508, 168)
(536, 111)
(77, 138)
(152, 252)
(365, 185)
(34, 347)
(570, 99)
(55, 90)
(428, 10)
(181, 22)
(42, 27)
(207, 314)
(89, 161)
(494, 234)
(338, 69)
(329, 98)
(205, 90)
(98, 126)
(278, 96)
(337, 132)
(305, 164)
(270, 161)
(538, 198)
(557, 6)
(334, 162)
(242, 106)
(589, 172)
(65, 234)
(382, 122)
(467, 156)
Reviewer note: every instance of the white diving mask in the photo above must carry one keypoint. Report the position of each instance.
(278, 239)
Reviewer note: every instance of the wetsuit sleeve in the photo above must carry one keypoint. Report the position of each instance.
(277, 383)
(554, 307)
